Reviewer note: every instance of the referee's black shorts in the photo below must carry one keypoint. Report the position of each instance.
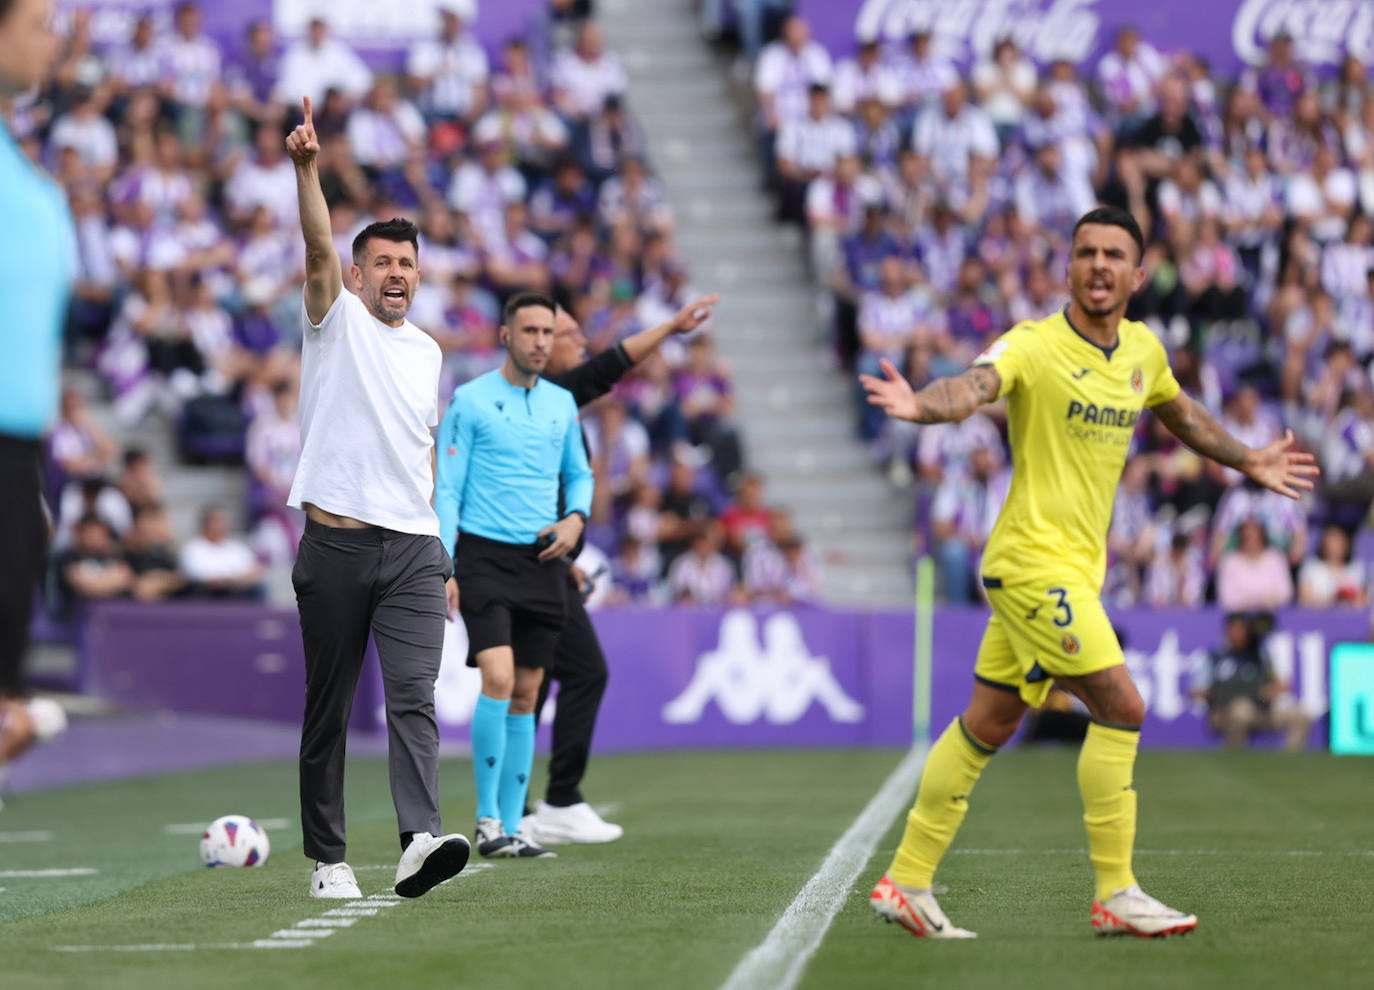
(509, 598)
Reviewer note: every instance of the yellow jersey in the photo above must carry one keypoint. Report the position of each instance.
(1072, 408)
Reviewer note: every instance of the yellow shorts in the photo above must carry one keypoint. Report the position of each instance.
(1041, 631)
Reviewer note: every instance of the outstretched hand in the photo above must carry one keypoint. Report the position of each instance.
(892, 394)
(302, 144)
(694, 314)
(1281, 469)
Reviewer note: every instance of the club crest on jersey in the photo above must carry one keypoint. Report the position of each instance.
(1069, 644)
(1137, 381)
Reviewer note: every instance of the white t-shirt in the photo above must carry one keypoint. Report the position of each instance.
(369, 397)
(227, 560)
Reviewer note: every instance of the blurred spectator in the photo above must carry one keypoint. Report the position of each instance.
(923, 72)
(1177, 576)
(1127, 76)
(1242, 692)
(785, 70)
(1255, 575)
(808, 146)
(1331, 577)
(93, 567)
(252, 75)
(585, 75)
(634, 572)
(218, 565)
(685, 512)
(317, 63)
(747, 519)
(962, 515)
(191, 63)
(705, 395)
(865, 76)
(779, 569)
(271, 450)
(703, 575)
(150, 554)
(91, 497)
(1003, 85)
(450, 72)
(78, 447)
(139, 481)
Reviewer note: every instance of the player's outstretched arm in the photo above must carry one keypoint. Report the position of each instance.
(323, 272)
(1277, 466)
(688, 318)
(945, 400)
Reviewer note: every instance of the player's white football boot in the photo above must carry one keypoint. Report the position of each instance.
(916, 911)
(430, 860)
(1134, 912)
(334, 881)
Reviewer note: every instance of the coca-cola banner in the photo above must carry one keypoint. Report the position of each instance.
(691, 678)
(1228, 33)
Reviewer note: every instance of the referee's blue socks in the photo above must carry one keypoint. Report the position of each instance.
(515, 772)
(489, 755)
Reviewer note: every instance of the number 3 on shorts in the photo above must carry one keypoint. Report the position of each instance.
(1062, 605)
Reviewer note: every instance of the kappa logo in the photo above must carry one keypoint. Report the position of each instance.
(766, 673)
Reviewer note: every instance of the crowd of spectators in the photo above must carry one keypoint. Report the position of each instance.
(525, 170)
(938, 203)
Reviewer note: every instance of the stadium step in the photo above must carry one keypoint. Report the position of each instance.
(795, 411)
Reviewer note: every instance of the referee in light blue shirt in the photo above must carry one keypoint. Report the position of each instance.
(507, 442)
(36, 270)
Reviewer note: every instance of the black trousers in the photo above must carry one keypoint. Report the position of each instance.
(350, 581)
(579, 667)
(23, 544)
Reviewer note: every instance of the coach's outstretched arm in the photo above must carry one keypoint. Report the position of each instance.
(323, 271)
(1276, 466)
(945, 400)
(640, 345)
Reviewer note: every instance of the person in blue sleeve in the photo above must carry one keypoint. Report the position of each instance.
(36, 269)
(509, 441)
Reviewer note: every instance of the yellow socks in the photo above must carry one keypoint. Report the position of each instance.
(955, 762)
(1105, 766)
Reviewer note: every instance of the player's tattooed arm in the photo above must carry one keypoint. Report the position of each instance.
(958, 397)
(1194, 425)
(945, 400)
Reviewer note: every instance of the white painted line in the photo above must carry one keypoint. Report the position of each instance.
(310, 933)
(327, 923)
(345, 912)
(196, 828)
(375, 902)
(142, 948)
(78, 871)
(779, 961)
(276, 943)
(40, 835)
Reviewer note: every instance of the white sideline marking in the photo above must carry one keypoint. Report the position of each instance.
(196, 828)
(347, 912)
(78, 871)
(327, 923)
(147, 948)
(274, 943)
(308, 933)
(373, 903)
(779, 961)
(41, 835)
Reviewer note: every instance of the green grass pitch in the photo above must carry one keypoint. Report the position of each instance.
(1274, 853)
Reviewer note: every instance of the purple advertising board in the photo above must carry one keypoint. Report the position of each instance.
(1228, 33)
(688, 678)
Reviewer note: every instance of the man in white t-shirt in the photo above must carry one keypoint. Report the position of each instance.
(371, 558)
(217, 565)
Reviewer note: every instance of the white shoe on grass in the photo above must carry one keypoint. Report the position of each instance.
(334, 881)
(430, 860)
(578, 823)
(1134, 912)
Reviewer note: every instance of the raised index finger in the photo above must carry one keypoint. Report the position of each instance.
(309, 120)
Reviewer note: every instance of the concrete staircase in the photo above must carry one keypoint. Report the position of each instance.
(794, 408)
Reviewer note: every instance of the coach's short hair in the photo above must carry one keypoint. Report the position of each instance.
(397, 229)
(521, 300)
(1115, 216)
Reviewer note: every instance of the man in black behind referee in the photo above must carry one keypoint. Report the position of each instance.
(579, 665)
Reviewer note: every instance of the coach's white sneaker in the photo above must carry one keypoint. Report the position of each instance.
(1134, 912)
(915, 910)
(334, 881)
(575, 823)
(429, 860)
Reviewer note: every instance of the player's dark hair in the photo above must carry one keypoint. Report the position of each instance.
(1114, 216)
(397, 229)
(5, 7)
(521, 300)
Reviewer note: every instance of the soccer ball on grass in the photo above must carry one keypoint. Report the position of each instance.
(234, 840)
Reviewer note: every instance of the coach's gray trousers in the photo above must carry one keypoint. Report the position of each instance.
(350, 581)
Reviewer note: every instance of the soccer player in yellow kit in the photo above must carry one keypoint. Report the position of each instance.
(1076, 383)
